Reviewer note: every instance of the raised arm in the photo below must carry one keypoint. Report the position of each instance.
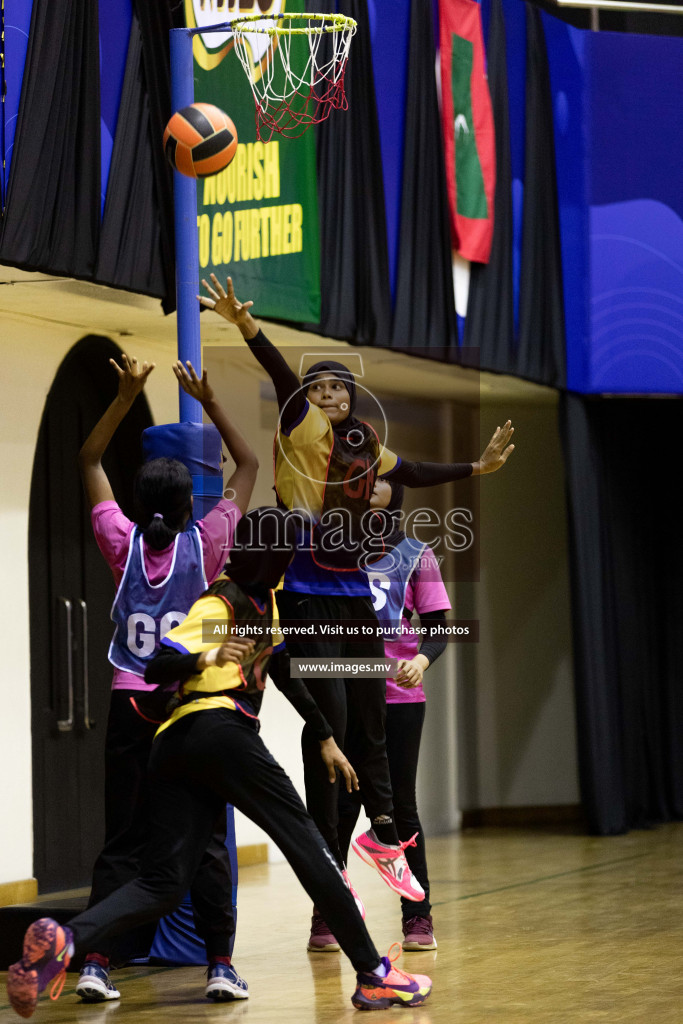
(290, 396)
(427, 474)
(246, 463)
(132, 380)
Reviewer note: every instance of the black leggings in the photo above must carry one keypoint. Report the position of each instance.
(354, 708)
(198, 764)
(404, 731)
(128, 743)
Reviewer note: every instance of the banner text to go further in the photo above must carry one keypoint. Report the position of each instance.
(227, 236)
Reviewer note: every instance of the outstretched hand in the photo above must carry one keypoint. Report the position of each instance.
(496, 452)
(224, 301)
(191, 384)
(335, 761)
(132, 378)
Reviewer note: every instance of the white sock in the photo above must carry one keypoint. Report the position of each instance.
(380, 971)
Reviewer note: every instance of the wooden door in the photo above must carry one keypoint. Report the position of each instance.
(71, 592)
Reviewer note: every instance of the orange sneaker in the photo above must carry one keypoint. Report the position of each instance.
(396, 988)
(48, 948)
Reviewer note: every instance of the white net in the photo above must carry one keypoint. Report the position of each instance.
(298, 79)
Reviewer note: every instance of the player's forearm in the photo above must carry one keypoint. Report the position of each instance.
(432, 648)
(238, 446)
(427, 474)
(290, 396)
(169, 666)
(248, 327)
(97, 441)
(298, 695)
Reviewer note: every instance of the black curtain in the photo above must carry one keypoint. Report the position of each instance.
(627, 598)
(490, 310)
(538, 351)
(130, 253)
(156, 20)
(354, 261)
(541, 350)
(52, 219)
(424, 314)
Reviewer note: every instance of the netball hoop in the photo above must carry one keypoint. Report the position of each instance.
(299, 80)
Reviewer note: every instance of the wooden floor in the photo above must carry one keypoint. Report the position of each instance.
(534, 927)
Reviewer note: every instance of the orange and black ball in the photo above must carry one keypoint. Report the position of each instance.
(200, 140)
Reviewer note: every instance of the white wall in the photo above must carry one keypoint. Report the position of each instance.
(517, 736)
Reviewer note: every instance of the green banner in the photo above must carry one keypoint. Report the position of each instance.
(257, 220)
(471, 196)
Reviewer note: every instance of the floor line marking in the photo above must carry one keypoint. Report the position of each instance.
(542, 878)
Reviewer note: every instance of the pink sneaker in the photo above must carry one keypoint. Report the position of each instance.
(359, 902)
(321, 939)
(418, 934)
(391, 863)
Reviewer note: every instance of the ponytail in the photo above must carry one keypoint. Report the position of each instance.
(157, 534)
(163, 500)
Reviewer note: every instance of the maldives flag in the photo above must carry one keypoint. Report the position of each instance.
(469, 139)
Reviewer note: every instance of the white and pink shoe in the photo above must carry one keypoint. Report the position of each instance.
(391, 863)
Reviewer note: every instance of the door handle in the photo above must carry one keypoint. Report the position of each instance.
(67, 724)
(88, 722)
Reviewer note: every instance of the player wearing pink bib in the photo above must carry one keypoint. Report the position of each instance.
(406, 580)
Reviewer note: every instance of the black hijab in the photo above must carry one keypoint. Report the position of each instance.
(390, 532)
(265, 540)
